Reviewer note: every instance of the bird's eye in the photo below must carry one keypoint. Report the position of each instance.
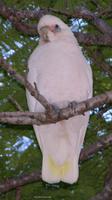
(57, 28)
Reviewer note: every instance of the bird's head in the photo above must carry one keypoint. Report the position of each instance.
(51, 28)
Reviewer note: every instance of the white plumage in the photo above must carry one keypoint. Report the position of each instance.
(62, 74)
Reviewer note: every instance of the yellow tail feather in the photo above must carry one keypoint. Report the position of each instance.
(58, 170)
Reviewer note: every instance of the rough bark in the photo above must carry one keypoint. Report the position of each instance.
(86, 153)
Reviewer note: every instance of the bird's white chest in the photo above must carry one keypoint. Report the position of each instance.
(60, 71)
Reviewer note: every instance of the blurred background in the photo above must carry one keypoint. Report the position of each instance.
(19, 151)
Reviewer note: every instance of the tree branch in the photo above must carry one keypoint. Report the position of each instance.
(21, 79)
(18, 193)
(93, 39)
(100, 24)
(103, 109)
(106, 193)
(86, 153)
(19, 181)
(101, 144)
(98, 59)
(52, 115)
(79, 12)
(15, 103)
(84, 13)
(73, 109)
(16, 16)
(10, 13)
(107, 13)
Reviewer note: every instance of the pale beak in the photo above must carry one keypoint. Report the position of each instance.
(44, 33)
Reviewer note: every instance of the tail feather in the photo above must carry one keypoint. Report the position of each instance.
(52, 172)
(72, 174)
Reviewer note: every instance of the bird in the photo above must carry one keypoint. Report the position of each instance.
(62, 74)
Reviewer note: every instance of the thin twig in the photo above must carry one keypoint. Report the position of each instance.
(103, 109)
(102, 143)
(15, 103)
(98, 59)
(21, 79)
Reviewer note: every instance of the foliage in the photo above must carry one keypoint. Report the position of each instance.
(19, 151)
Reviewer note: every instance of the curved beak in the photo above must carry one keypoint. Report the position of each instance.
(44, 33)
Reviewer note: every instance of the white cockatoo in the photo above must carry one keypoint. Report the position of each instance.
(62, 74)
